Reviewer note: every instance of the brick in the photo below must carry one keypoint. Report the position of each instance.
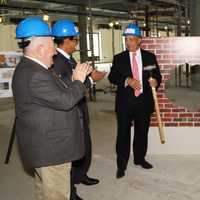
(175, 51)
(151, 50)
(165, 70)
(196, 114)
(144, 46)
(163, 41)
(147, 41)
(162, 51)
(154, 46)
(159, 56)
(186, 124)
(166, 77)
(166, 119)
(163, 100)
(171, 124)
(164, 61)
(169, 67)
(170, 114)
(153, 124)
(154, 119)
(170, 56)
(185, 115)
(169, 105)
(193, 119)
(161, 105)
(196, 124)
(165, 110)
(162, 86)
(160, 95)
(167, 46)
(180, 119)
(178, 110)
(177, 61)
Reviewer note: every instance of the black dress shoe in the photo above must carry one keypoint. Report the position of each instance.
(89, 181)
(74, 196)
(144, 164)
(120, 173)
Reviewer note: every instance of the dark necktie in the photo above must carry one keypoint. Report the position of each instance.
(72, 62)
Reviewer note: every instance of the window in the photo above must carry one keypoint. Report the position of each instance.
(96, 45)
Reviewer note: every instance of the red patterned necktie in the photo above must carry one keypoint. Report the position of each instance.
(135, 72)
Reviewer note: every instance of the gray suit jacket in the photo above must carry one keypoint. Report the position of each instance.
(48, 126)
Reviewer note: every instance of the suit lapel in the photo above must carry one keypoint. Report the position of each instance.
(145, 60)
(127, 63)
(68, 69)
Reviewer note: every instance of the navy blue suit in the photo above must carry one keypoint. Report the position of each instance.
(63, 68)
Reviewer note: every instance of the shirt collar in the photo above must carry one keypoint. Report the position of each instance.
(138, 52)
(63, 53)
(37, 61)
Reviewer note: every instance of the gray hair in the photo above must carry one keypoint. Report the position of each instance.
(34, 42)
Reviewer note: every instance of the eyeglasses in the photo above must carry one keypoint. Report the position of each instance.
(76, 40)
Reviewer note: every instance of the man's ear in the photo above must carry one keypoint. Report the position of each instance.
(139, 41)
(40, 50)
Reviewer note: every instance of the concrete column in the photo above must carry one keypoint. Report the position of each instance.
(90, 29)
(195, 22)
(82, 19)
(147, 29)
(178, 21)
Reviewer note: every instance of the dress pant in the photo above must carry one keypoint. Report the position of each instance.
(134, 112)
(81, 167)
(53, 182)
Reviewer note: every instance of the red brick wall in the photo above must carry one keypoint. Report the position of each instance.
(171, 52)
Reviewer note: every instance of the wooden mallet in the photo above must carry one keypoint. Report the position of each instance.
(160, 126)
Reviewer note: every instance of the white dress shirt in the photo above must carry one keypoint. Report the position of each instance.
(63, 53)
(37, 61)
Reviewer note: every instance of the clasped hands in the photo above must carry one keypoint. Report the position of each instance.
(136, 85)
(81, 71)
(84, 69)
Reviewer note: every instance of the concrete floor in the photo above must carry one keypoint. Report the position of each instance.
(172, 178)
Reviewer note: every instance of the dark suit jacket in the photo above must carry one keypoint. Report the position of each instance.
(63, 68)
(48, 126)
(121, 69)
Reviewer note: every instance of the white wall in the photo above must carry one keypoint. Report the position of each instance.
(118, 44)
(106, 44)
(179, 140)
(7, 38)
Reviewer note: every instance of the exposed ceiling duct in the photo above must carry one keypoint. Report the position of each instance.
(163, 11)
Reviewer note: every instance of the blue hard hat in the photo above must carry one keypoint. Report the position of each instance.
(64, 28)
(132, 29)
(32, 26)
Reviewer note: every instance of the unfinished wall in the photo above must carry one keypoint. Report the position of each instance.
(171, 52)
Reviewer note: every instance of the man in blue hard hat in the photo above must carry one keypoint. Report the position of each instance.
(48, 128)
(66, 38)
(134, 99)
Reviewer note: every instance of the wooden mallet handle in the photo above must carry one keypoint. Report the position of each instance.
(160, 126)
